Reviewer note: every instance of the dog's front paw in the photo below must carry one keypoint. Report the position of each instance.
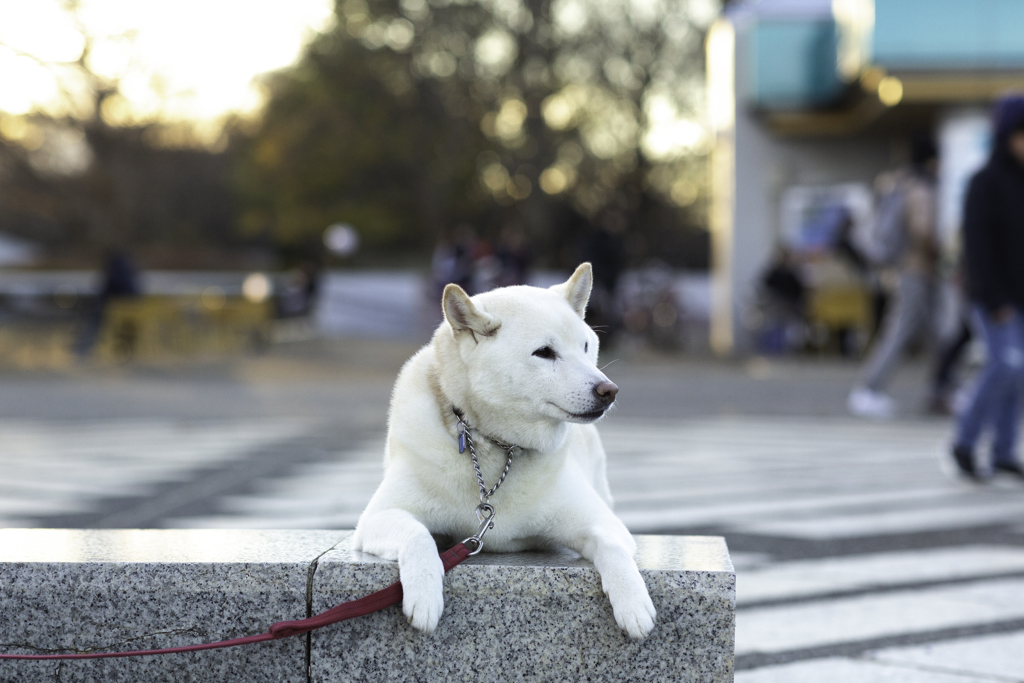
(423, 596)
(631, 604)
(637, 620)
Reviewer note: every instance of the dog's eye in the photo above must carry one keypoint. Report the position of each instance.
(586, 346)
(545, 352)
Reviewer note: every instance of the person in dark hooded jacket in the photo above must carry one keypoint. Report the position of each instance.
(993, 242)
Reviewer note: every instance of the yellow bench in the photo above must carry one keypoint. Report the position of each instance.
(841, 307)
(154, 326)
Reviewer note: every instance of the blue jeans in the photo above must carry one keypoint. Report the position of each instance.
(996, 398)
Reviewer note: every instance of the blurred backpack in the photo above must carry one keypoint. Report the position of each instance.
(887, 239)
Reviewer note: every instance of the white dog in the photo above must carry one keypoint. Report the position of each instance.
(517, 367)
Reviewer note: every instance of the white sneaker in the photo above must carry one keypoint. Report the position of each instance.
(864, 402)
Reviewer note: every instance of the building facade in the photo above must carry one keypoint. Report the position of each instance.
(811, 100)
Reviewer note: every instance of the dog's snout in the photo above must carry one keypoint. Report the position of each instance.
(605, 392)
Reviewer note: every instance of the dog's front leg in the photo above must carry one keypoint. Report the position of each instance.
(611, 550)
(397, 535)
(588, 526)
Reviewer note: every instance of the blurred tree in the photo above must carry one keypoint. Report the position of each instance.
(409, 117)
(349, 136)
(86, 172)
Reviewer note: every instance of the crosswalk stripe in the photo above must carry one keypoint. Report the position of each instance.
(742, 508)
(793, 627)
(842, 670)
(941, 515)
(807, 578)
(999, 656)
(52, 468)
(317, 495)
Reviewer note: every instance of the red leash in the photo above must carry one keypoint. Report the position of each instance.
(392, 595)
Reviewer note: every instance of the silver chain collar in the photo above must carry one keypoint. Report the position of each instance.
(484, 511)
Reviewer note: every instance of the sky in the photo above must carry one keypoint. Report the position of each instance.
(185, 60)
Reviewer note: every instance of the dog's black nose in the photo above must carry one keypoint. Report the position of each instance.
(605, 392)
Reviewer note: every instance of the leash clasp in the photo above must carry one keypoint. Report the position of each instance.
(484, 513)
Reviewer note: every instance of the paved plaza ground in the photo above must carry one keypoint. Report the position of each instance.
(857, 559)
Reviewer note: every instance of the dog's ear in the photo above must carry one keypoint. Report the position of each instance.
(462, 314)
(576, 289)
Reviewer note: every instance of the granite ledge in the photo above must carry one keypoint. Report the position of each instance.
(523, 616)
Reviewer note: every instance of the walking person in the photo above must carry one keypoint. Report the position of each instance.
(993, 240)
(908, 222)
(120, 281)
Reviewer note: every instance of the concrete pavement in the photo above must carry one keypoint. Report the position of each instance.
(857, 559)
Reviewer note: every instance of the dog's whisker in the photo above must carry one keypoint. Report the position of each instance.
(607, 364)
